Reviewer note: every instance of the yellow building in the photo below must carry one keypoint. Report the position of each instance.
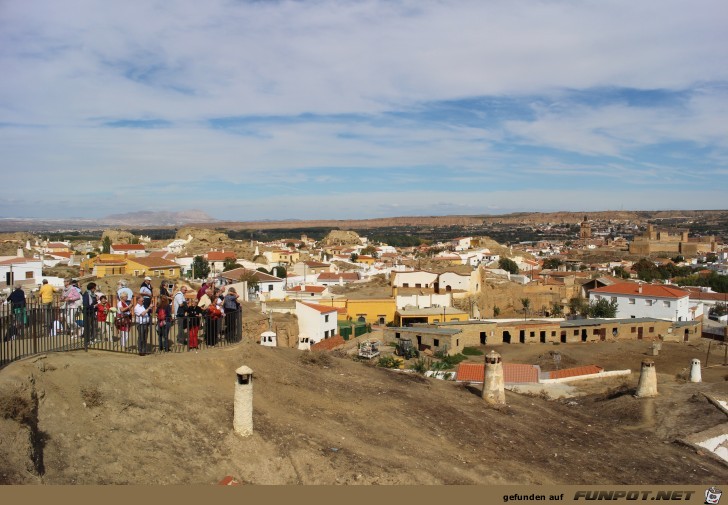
(371, 310)
(152, 267)
(367, 260)
(432, 315)
(282, 257)
(108, 264)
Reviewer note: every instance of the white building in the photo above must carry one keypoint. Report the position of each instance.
(20, 270)
(315, 322)
(638, 300)
(414, 279)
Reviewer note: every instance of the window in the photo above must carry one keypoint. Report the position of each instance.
(665, 303)
(270, 287)
(28, 275)
(633, 330)
(171, 271)
(651, 329)
(457, 342)
(631, 301)
(614, 299)
(532, 334)
(405, 284)
(553, 333)
(396, 335)
(576, 333)
(595, 331)
(418, 285)
(436, 342)
(649, 302)
(326, 318)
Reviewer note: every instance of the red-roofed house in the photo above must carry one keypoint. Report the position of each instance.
(336, 278)
(269, 287)
(128, 249)
(216, 259)
(307, 292)
(14, 270)
(638, 300)
(315, 323)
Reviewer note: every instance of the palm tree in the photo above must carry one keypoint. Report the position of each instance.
(526, 304)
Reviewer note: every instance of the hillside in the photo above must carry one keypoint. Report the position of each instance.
(101, 418)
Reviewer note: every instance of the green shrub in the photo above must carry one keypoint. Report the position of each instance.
(389, 362)
(472, 351)
(421, 365)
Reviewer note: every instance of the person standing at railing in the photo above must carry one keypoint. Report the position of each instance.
(179, 307)
(164, 320)
(231, 306)
(143, 320)
(18, 305)
(70, 298)
(89, 314)
(147, 292)
(45, 293)
(123, 318)
(102, 314)
(192, 318)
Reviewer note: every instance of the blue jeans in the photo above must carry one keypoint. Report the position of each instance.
(164, 337)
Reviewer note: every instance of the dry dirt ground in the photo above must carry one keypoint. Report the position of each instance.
(103, 418)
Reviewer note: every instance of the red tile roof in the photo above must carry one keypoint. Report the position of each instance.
(127, 247)
(154, 262)
(328, 344)
(512, 373)
(324, 309)
(334, 276)
(56, 245)
(221, 255)
(18, 260)
(575, 372)
(632, 288)
(307, 289)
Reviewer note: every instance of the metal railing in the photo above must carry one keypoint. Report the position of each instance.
(39, 328)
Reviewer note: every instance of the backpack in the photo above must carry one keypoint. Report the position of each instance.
(230, 303)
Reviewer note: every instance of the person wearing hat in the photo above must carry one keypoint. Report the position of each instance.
(146, 291)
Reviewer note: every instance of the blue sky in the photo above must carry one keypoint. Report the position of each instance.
(358, 109)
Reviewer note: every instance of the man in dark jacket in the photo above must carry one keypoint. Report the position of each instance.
(17, 302)
(89, 313)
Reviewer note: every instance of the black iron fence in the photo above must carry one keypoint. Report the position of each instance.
(39, 328)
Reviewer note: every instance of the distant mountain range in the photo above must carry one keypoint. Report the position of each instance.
(149, 218)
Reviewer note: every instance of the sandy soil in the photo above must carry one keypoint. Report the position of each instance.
(101, 418)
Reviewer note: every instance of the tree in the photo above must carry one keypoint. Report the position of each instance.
(557, 309)
(719, 309)
(134, 240)
(603, 308)
(200, 267)
(621, 272)
(106, 245)
(552, 263)
(250, 277)
(496, 311)
(230, 264)
(279, 271)
(577, 306)
(508, 265)
(526, 303)
(354, 257)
